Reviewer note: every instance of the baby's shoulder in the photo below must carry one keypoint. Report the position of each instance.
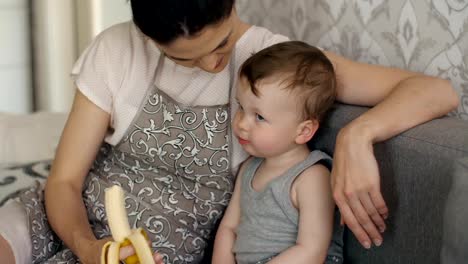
(314, 173)
(310, 183)
(315, 176)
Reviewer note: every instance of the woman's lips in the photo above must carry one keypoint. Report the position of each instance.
(243, 141)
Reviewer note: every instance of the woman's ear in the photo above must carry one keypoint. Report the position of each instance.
(306, 130)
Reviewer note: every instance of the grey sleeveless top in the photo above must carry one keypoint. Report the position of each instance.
(269, 221)
(174, 166)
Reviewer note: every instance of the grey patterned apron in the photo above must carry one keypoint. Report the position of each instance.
(174, 165)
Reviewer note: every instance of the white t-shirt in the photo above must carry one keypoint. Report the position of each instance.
(119, 66)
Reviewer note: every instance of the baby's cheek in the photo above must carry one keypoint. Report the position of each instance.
(267, 143)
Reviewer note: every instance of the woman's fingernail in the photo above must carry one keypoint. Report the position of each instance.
(367, 245)
(378, 242)
(382, 229)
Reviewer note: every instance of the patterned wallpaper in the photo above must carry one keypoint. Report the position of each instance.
(429, 36)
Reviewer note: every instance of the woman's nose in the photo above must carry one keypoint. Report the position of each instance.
(209, 62)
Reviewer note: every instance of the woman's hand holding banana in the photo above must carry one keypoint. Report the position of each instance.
(122, 234)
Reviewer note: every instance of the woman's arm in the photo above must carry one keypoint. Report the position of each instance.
(311, 194)
(81, 138)
(402, 100)
(226, 234)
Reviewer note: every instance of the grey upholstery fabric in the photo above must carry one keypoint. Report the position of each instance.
(455, 238)
(428, 36)
(416, 173)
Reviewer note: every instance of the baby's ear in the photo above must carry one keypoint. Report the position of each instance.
(306, 130)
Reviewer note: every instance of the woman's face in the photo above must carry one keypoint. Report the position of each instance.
(210, 50)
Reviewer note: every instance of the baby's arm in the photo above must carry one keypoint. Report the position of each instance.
(311, 194)
(226, 234)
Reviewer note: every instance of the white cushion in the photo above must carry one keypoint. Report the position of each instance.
(29, 137)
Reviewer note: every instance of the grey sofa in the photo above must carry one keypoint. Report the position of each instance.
(455, 238)
(417, 169)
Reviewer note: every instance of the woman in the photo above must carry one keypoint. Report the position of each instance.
(157, 92)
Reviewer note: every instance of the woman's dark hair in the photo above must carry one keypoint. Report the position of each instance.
(166, 20)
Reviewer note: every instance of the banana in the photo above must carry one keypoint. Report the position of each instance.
(121, 232)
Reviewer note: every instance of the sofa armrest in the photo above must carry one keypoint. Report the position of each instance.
(455, 237)
(416, 174)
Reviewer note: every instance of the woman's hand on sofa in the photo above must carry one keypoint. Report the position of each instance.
(356, 187)
(401, 100)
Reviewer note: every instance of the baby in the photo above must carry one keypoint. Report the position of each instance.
(281, 210)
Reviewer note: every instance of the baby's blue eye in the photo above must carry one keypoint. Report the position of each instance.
(259, 117)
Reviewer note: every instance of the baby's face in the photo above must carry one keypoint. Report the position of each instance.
(266, 125)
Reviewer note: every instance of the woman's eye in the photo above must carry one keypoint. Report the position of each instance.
(224, 44)
(259, 117)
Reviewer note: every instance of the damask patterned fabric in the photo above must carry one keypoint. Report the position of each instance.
(16, 177)
(174, 166)
(428, 36)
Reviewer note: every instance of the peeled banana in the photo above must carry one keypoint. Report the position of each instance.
(121, 232)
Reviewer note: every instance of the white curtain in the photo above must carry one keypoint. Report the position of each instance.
(62, 29)
(15, 57)
(55, 48)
